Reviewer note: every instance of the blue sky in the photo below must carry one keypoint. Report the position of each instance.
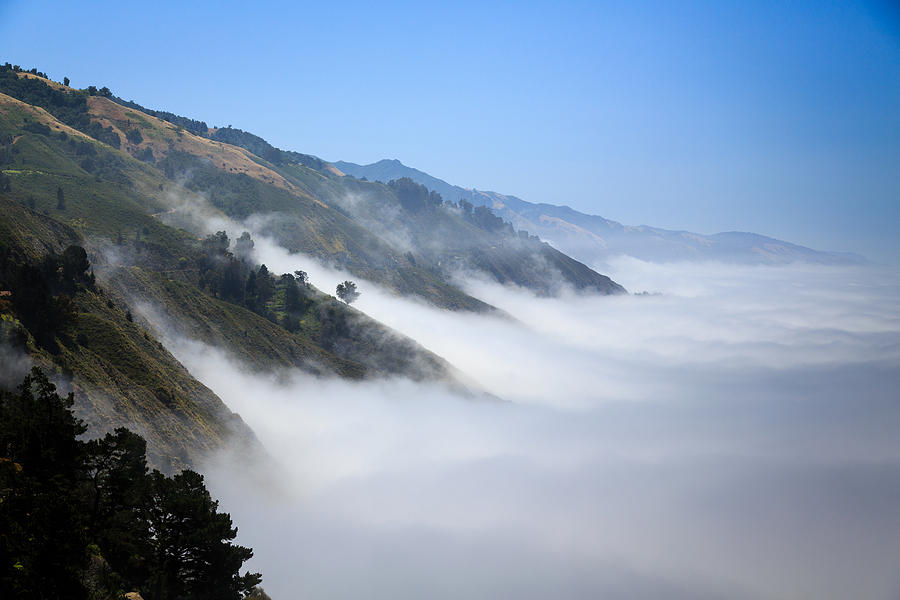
(773, 117)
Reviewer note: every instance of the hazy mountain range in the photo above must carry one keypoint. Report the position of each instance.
(168, 212)
(592, 239)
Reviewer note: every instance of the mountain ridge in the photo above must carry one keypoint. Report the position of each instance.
(593, 239)
(82, 174)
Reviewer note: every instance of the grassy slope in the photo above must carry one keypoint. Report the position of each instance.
(163, 137)
(120, 199)
(123, 376)
(313, 219)
(315, 227)
(122, 372)
(308, 201)
(253, 340)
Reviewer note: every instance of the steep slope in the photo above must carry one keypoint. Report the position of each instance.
(316, 209)
(459, 239)
(122, 375)
(62, 188)
(593, 239)
(112, 205)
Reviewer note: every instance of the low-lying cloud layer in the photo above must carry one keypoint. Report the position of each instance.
(734, 437)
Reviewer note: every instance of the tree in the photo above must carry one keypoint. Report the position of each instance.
(265, 287)
(63, 500)
(117, 493)
(66, 81)
(347, 292)
(60, 199)
(192, 553)
(42, 313)
(251, 294)
(42, 543)
(134, 136)
(291, 293)
(231, 282)
(215, 244)
(413, 196)
(74, 263)
(243, 248)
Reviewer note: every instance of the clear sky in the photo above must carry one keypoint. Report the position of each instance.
(781, 118)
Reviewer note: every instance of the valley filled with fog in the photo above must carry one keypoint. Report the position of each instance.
(731, 434)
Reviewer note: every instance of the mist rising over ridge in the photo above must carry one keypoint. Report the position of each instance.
(593, 239)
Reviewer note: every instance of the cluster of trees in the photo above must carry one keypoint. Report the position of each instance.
(414, 197)
(87, 519)
(42, 293)
(260, 147)
(134, 136)
(38, 128)
(483, 217)
(33, 71)
(229, 273)
(192, 125)
(70, 107)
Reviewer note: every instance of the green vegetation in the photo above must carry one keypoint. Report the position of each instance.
(54, 311)
(62, 188)
(88, 520)
(70, 107)
(264, 150)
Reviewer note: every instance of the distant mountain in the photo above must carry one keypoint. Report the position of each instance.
(593, 239)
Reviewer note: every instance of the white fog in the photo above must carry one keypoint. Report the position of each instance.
(733, 437)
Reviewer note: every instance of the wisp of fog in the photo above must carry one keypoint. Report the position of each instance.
(734, 434)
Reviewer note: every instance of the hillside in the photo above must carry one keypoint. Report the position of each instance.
(308, 197)
(121, 374)
(593, 239)
(113, 201)
(104, 331)
(140, 190)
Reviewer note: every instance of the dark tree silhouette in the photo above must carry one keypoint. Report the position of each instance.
(42, 549)
(190, 539)
(67, 506)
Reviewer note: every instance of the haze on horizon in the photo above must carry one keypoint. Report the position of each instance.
(705, 116)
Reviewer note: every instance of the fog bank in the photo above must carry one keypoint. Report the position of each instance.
(733, 437)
